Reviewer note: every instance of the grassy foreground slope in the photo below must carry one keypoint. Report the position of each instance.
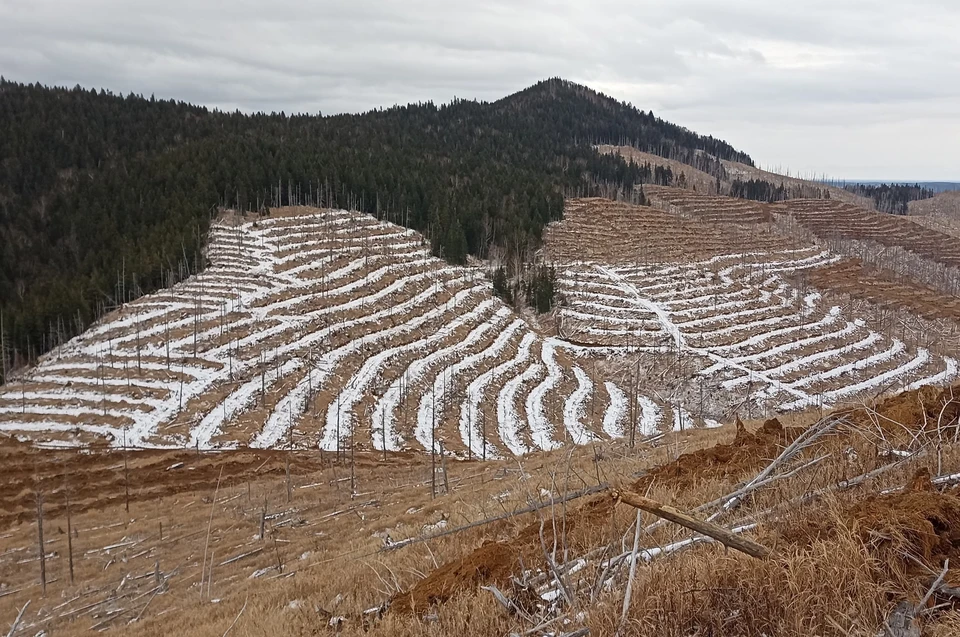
(861, 520)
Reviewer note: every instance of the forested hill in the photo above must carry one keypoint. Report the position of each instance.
(105, 197)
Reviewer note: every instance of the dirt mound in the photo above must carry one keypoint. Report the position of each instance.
(747, 451)
(912, 412)
(495, 562)
(492, 563)
(922, 523)
(918, 524)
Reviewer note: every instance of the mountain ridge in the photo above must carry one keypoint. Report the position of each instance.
(105, 197)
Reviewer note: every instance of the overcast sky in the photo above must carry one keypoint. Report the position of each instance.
(860, 89)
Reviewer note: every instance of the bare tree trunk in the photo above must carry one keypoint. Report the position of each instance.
(70, 535)
(718, 533)
(43, 554)
(263, 518)
(3, 352)
(126, 474)
(289, 447)
(443, 467)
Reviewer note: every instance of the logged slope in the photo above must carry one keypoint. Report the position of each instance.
(332, 328)
(326, 328)
(103, 198)
(720, 317)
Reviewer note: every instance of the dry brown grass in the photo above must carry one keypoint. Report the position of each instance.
(844, 559)
(944, 207)
(695, 179)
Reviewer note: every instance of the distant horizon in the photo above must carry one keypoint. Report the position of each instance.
(945, 185)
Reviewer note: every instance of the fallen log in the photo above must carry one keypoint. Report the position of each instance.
(667, 512)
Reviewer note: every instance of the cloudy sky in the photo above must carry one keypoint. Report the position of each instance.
(860, 89)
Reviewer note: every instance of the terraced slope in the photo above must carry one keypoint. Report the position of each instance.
(317, 328)
(331, 329)
(752, 335)
(704, 207)
(829, 219)
(617, 232)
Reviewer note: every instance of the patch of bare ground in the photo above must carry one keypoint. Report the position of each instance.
(796, 188)
(710, 208)
(944, 206)
(692, 178)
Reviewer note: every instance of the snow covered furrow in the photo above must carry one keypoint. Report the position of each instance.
(540, 426)
(893, 351)
(712, 309)
(847, 330)
(949, 373)
(132, 366)
(373, 277)
(880, 380)
(338, 238)
(602, 318)
(744, 327)
(66, 394)
(428, 401)
(440, 283)
(339, 412)
(765, 267)
(132, 383)
(87, 410)
(921, 358)
(574, 409)
(616, 411)
(650, 416)
(599, 296)
(293, 403)
(806, 264)
(470, 429)
(318, 335)
(628, 309)
(587, 286)
(307, 254)
(238, 401)
(683, 288)
(604, 331)
(682, 420)
(806, 361)
(131, 320)
(46, 427)
(431, 403)
(712, 301)
(736, 316)
(508, 420)
(214, 283)
(302, 318)
(642, 303)
(666, 284)
(762, 337)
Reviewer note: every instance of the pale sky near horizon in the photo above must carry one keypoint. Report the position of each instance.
(851, 89)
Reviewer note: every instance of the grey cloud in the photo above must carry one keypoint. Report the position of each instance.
(855, 88)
